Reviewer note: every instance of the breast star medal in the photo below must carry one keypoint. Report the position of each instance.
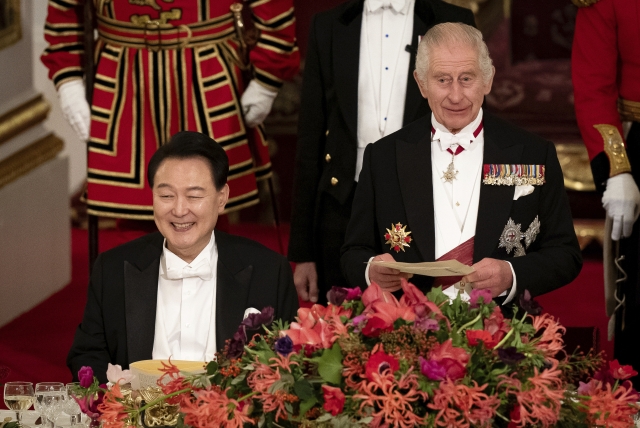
(397, 237)
(451, 172)
(512, 236)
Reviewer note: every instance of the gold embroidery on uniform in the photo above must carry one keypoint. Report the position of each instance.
(614, 148)
(166, 16)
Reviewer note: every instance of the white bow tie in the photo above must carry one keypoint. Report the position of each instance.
(374, 5)
(202, 270)
(447, 139)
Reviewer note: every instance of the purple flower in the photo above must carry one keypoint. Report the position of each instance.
(476, 294)
(510, 355)
(255, 321)
(426, 324)
(528, 304)
(432, 369)
(236, 344)
(358, 322)
(336, 295)
(284, 346)
(85, 376)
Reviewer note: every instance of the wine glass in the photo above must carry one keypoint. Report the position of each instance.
(18, 396)
(48, 398)
(71, 406)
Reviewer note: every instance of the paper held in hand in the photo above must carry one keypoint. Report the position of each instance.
(443, 268)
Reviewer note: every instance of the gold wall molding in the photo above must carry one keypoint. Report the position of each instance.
(23, 117)
(10, 27)
(29, 158)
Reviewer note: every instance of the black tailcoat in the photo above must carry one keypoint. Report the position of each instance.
(327, 130)
(396, 187)
(119, 320)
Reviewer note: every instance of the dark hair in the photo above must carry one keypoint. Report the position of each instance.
(187, 145)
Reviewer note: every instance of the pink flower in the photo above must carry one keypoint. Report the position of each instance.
(116, 375)
(453, 359)
(476, 294)
(85, 376)
(353, 293)
(621, 372)
(333, 399)
(432, 369)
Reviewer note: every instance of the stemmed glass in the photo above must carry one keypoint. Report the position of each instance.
(71, 406)
(18, 396)
(49, 400)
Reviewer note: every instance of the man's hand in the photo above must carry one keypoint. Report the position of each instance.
(621, 200)
(305, 278)
(75, 107)
(256, 103)
(388, 279)
(491, 274)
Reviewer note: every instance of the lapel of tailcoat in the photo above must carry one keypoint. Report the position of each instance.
(495, 201)
(232, 294)
(141, 296)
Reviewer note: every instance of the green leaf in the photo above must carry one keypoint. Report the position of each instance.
(303, 389)
(307, 404)
(212, 367)
(330, 365)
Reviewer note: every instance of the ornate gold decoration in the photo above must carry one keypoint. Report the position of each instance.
(29, 158)
(584, 3)
(162, 414)
(614, 148)
(398, 237)
(576, 168)
(629, 110)
(10, 28)
(589, 231)
(513, 174)
(165, 17)
(23, 117)
(450, 174)
(238, 24)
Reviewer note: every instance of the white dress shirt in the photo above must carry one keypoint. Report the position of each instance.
(455, 203)
(185, 310)
(387, 27)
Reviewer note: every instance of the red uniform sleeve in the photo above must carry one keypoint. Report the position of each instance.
(275, 57)
(594, 70)
(63, 32)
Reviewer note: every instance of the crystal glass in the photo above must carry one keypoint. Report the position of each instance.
(50, 398)
(18, 396)
(71, 406)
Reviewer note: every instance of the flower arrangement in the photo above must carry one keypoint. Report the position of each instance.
(372, 360)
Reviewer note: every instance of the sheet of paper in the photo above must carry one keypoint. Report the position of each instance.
(444, 268)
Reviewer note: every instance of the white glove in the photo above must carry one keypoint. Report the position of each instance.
(621, 200)
(256, 103)
(75, 107)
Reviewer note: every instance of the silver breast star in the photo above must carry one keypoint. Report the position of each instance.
(450, 174)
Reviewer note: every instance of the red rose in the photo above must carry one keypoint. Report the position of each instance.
(475, 336)
(621, 372)
(376, 325)
(333, 399)
(379, 362)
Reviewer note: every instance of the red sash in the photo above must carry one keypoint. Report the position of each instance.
(462, 253)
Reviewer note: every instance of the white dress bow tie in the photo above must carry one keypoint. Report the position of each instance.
(447, 139)
(397, 5)
(202, 270)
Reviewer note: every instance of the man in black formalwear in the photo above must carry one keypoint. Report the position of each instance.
(357, 87)
(182, 291)
(462, 184)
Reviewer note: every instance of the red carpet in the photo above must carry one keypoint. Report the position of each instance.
(34, 345)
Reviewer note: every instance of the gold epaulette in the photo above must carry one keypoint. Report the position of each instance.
(614, 148)
(584, 3)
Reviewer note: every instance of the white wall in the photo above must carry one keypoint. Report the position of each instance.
(75, 149)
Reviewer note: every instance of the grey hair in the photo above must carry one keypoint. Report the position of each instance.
(452, 33)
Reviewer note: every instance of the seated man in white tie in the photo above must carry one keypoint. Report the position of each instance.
(182, 291)
(462, 184)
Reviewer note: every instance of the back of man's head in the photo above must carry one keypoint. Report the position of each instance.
(453, 34)
(187, 145)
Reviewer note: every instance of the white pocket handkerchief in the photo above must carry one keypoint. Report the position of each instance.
(524, 190)
(250, 311)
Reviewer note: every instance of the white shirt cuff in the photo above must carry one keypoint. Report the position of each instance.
(366, 271)
(512, 293)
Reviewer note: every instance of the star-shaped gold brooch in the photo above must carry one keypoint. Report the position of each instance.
(397, 237)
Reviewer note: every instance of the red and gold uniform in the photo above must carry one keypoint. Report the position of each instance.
(606, 81)
(163, 66)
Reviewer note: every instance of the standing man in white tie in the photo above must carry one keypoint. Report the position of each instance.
(462, 184)
(357, 88)
(182, 291)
